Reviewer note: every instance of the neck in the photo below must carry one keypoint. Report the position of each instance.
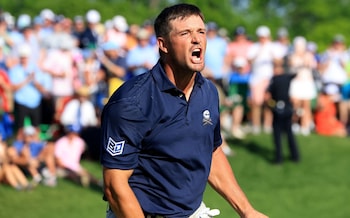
(181, 78)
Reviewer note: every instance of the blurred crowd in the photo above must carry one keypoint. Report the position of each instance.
(56, 74)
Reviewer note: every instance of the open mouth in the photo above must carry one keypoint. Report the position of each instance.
(196, 55)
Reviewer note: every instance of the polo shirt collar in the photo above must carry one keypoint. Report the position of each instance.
(163, 81)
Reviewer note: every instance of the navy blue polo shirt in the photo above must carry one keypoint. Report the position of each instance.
(150, 127)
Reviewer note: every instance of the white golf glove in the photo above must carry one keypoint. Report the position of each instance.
(208, 213)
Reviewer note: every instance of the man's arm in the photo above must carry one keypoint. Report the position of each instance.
(119, 194)
(222, 179)
(112, 67)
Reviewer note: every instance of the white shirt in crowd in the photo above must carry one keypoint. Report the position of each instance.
(87, 113)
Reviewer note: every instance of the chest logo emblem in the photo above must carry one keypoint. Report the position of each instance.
(206, 118)
(115, 148)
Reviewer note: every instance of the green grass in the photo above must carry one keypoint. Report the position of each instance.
(318, 186)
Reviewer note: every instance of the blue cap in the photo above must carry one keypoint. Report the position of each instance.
(240, 30)
(38, 20)
(212, 26)
(72, 128)
(107, 46)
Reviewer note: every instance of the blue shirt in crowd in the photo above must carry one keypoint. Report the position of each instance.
(139, 55)
(215, 56)
(28, 95)
(34, 147)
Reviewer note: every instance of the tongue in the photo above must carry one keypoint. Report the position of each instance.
(196, 59)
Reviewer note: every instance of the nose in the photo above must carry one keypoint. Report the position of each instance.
(196, 38)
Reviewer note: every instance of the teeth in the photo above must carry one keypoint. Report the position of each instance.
(196, 50)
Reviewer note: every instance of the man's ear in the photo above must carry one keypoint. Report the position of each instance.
(162, 44)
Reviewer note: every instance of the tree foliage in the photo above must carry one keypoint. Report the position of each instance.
(317, 20)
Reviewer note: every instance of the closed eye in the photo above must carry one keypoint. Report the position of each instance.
(184, 33)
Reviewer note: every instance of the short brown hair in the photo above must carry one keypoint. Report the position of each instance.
(161, 24)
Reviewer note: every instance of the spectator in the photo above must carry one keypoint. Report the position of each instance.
(303, 88)
(79, 29)
(131, 39)
(237, 96)
(237, 53)
(5, 35)
(10, 173)
(28, 85)
(117, 34)
(142, 58)
(46, 28)
(282, 42)
(215, 67)
(239, 48)
(278, 99)
(326, 121)
(23, 22)
(79, 111)
(148, 25)
(59, 64)
(6, 106)
(91, 36)
(333, 68)
(28, 38)
(261, 55)
(31, 154)
(67, 25)
(333, 62)
(96, 80)
(113, 65)
(68, 152)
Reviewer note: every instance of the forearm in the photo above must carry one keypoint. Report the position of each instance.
(222, 180)
(59, 163)
(16, 87)
(41, 88)
(120, 196)
(21, 161)
(115, 69)
(55, 73)
(124, 205)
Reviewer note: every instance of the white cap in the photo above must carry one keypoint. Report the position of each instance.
(9, 19)
(24, 50)
(29, 130)
(93, 16)
(143, 34)
(239, 62)
(300, 42)
(23, 21)
(119, 22)
(47, 14)
(263, 31)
